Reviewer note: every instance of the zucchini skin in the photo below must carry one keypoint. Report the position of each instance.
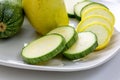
(83, 53)
(73, 40)
(46, 57)
(71, 15)
(77, 17)
(11, 16)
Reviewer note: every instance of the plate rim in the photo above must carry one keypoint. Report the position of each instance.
(57, 68)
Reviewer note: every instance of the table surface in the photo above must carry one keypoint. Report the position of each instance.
(108, 71)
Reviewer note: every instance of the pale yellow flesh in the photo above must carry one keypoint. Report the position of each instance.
(66, 32)
(45, 15)
(91, 7)
(95, 18)
(100, 11)
(42, 46)
(102, 33)
(70, 5)
(78, 7)
(85, 40)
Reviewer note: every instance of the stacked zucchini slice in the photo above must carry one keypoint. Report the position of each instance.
(97, 18)
(62, 40)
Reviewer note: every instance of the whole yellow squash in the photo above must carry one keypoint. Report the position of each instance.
(45, 15)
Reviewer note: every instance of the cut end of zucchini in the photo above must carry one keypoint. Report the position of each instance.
(102, 32)
(78, 7)
(93, 19)
(68, 33)
(100, 11)
(43, 49)
(92, 5)
(70, 7)
(86, 43)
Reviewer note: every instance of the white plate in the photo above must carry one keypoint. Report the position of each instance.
(10, 50)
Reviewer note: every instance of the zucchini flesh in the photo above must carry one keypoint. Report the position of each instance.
(96, 18)
(90, 6)
(43, 49)
(100, 11)
(78, 7)
(68, 33)
(102, 32)
(86, 43)
(70, 7)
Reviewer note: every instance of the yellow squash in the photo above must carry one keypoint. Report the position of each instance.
(45, 15)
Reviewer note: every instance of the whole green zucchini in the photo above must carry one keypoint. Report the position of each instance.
(11, 17)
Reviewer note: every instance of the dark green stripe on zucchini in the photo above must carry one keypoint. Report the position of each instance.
(11, 17)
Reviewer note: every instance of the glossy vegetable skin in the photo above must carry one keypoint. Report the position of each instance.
(11, 17)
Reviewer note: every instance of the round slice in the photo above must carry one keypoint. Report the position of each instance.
(91, 6)
(43, 49)
(78, 7)
(86, 43)
(100, 11)
(102, 32)
(68, 33)
(70, 6)
(95, 18)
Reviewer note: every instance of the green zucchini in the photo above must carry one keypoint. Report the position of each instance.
(68, 33)
(11, 17)
(78, 7)
(70, 7)
(86, 43)
(43, 49)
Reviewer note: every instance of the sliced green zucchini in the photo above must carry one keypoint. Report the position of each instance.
(68, 33)
(43, 49)
(102, 32)
(92, 5)
(86, 43)
(70, 7)
(78, 7)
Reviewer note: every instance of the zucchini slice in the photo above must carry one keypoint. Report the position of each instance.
(102, 32)
(86, 43)
(95, 18)
(92, 5)
(43, 49)
(70, 7)
(100, 11)
(68, 33)
(78, 7)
